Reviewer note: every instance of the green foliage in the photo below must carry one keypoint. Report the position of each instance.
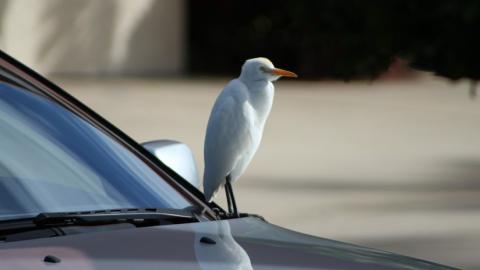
(441, 36)
(336, 39)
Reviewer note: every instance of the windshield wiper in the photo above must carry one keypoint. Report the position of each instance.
(132, 215)
(140, 217)
(51, 224)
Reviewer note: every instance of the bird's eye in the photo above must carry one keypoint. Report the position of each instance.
(264, 69)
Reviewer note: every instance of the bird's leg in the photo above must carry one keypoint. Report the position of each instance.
(232, 205)
(227, 193)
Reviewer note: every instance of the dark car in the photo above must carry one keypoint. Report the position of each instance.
(77, 193)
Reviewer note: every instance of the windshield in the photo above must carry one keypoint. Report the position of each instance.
(51, 160)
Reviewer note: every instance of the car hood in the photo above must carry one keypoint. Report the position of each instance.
(245, 243)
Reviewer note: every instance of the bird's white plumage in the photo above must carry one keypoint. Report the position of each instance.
(236, 123)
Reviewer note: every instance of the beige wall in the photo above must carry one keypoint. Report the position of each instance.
(108, 37)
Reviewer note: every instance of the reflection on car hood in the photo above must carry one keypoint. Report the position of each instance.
(246, 243)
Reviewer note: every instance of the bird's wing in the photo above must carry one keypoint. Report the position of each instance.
(227, 136)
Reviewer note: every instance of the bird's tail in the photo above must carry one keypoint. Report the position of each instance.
(210, 190)
(210, 195)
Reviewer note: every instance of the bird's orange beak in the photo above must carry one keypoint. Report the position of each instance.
(284, 73)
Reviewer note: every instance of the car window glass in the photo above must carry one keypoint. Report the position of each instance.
(52, 160)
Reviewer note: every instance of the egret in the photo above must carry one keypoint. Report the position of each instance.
(235, 126)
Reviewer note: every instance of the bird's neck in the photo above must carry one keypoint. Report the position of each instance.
(261, 98)
(255, 86)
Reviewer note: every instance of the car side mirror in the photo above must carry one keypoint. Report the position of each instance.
(177, 156)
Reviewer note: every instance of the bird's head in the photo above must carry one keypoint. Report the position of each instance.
(262, 69)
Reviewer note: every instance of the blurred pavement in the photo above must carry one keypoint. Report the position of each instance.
(393, 165)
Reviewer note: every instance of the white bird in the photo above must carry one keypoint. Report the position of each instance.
(235, 126)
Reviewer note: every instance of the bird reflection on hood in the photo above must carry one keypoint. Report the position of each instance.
(225, 253)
